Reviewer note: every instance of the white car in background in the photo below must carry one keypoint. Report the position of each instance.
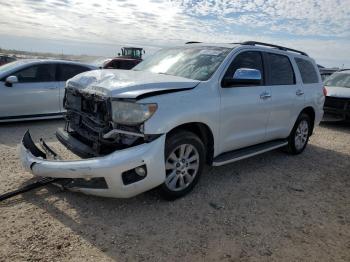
(337, 104)
(33, 88)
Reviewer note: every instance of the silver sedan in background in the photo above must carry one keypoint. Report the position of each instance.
(34, 89)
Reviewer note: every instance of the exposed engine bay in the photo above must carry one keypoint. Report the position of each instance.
(89, 120)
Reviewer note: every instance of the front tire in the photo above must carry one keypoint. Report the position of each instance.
(184, 162)
(299, 137)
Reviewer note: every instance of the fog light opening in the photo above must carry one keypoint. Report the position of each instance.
(141, 171)
(134, 175)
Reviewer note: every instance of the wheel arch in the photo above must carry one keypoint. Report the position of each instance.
(310, 111)
(203, 131)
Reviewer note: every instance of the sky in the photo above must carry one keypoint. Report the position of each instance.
(320, 28)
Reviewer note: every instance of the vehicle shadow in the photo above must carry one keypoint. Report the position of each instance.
(12, 133)
(337, 126)
(137, 228)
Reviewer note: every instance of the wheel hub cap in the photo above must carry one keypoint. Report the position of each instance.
(181, 167)
(301, 134)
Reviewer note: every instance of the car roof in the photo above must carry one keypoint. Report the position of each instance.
(328, 70)
(226, 45)
(42, 61)
(124, 58)
(346, 71)
(132, 47)
(22, 63)
(256, 46)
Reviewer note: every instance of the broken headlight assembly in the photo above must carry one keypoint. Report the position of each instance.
(131, 113)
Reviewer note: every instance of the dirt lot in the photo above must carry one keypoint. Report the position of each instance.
(273, 207)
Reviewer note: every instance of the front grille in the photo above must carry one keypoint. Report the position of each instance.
(93, 106)
(87, 117)
(337, 103)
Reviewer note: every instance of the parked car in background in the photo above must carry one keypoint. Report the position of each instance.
(326, 72)
(130, 57)
(4, 59)
(337, 104)
(158, 124)
(34, 88)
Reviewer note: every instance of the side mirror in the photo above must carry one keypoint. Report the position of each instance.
(11, 80)
(243, 77)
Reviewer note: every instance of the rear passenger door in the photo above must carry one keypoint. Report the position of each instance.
(286, 95)
(65, 72)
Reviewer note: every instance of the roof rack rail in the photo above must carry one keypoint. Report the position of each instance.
(275, 46)
(192, 42)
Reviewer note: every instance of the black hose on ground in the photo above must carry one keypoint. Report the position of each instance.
(40, 183)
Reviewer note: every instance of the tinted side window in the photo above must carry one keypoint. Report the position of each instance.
(68, 71)
(307, 71)
(37, 73)
(249, 59)
(10, 59)
(280, 70)
(115, 64)
(127, 64)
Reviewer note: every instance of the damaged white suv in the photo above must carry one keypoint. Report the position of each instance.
(158, 124)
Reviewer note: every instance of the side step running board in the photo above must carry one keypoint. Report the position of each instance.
(243, 153)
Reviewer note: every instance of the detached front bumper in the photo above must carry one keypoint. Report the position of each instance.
(113, 168)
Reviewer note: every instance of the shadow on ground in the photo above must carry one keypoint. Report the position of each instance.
(337, 126)
(258, 207)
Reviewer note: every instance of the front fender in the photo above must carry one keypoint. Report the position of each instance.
(199, 105)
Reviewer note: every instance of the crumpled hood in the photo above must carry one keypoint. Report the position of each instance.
(127, 83)
(336, 91)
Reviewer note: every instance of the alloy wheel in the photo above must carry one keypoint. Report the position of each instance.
(301, 135)
(181, 167)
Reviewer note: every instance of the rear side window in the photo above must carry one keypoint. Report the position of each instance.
(307, 71)
(37, 73)
(248, 59)
(127, 64)
(67, 71)
(281, 70)
(120, 64)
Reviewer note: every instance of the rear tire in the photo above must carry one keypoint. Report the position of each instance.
(184, 162)
(299, 137)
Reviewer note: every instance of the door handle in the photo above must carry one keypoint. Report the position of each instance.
(265, 95)
(299, 92)
(52, 88)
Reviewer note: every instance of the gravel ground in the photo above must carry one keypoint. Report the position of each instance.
(272, 207)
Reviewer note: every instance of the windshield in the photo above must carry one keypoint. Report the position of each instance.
(198, 63)
(338, 79)
(132, 52)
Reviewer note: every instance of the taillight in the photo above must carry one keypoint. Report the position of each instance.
(324, 91)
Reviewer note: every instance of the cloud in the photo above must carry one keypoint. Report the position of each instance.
(298, 17)
(309, 25)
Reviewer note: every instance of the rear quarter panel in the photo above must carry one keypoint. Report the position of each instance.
(314, 96)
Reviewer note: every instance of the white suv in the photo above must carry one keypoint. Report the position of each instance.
(158, 124)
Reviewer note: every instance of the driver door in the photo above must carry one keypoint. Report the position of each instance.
(35, 94)
(244, 107)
